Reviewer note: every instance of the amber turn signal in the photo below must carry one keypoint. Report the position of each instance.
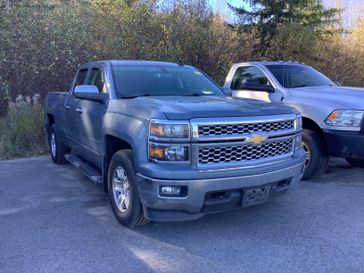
(156, 152)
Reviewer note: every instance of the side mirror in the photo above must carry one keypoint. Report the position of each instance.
(90, 92)
(255, 85)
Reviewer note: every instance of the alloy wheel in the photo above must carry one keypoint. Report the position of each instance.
(308, 154)
(121, 189)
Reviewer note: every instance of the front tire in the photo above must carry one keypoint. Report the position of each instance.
(123, 192)
(56, 146)
(316, 155)
(359, 163)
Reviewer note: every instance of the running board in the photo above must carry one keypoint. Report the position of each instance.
(86, 168)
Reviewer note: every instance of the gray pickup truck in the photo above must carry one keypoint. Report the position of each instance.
(167, 143)
(333, 116)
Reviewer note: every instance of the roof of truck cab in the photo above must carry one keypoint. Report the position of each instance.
(272, 63)
(136, 63)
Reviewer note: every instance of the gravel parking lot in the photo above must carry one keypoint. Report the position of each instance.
(53, 219)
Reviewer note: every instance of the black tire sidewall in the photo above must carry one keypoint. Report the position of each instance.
(58, 158)
(131, 216)
(319, 158)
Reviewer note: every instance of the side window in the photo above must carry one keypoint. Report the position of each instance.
(80, 77)
(95, 78)
(248, 76)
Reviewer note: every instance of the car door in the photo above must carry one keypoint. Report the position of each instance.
(250, 75)
(72, 112)
(92, 115)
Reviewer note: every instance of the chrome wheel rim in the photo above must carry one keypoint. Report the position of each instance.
(121, 189)
(308, 154)
(53, 144)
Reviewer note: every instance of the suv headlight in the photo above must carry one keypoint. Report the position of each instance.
(345, 118)
(169, 129)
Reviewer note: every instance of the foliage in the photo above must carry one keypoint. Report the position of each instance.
(22, 130)
(268, 16)
(43, 43)
(292, 42)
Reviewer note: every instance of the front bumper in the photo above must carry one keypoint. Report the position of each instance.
(345, 144)
(198, 201)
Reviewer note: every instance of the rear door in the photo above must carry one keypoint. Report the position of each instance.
(72, 108)
(91, 123)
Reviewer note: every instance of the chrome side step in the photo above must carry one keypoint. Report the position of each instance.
(88, 170)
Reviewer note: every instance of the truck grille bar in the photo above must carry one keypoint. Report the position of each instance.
(243, 153)
(244, 128)
(220, 144)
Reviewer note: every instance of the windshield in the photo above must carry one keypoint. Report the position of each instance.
(292, 76)
(134, 81)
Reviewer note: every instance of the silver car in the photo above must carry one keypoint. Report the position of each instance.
(332, 115)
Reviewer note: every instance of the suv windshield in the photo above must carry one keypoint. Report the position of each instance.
(134, 81)
(292, 76)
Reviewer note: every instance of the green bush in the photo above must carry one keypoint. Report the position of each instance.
(22, 131)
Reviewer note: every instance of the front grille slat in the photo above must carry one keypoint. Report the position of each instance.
(243, 153)
(230, 142)
(209, 130)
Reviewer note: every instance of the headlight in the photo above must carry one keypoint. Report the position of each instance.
(345, 118)
(169, 129)
(298, 122)
(165, 152)
(298, 142)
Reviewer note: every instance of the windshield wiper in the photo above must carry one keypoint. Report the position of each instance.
(297, 86)
(133, 97)
(193, 94)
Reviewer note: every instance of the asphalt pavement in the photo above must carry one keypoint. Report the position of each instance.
(53, 219)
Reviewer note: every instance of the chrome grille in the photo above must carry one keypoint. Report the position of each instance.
(243, 152)
(244, 128)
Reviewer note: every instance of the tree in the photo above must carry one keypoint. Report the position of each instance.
(267, 16)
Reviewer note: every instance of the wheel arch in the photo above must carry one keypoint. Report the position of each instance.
(112, 144)
(49, 121)
(309, 124)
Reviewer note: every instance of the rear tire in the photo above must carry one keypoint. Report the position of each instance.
(316, 154)
(359, 163)
(123, 191)
(56, 146)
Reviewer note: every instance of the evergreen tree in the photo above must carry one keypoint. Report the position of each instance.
(267, 16)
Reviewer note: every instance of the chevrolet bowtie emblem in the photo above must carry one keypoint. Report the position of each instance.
(256, 139)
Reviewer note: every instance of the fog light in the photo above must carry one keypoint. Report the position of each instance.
(173, 191)
(167, 190)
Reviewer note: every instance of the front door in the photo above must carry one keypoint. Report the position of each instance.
(92, 118)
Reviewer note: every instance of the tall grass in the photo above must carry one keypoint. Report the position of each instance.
(22, 131)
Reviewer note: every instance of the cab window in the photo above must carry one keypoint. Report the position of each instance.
(248, 76)
(95, 78)
(81, 76)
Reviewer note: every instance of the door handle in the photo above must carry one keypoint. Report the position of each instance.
(67, 106)
(79, 110)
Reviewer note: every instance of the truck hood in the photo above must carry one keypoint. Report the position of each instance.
(185, 108)
(348, 97)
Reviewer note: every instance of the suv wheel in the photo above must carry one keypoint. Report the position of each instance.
(56, 147)
(316, 155)
(356, 162)
(123, 192)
